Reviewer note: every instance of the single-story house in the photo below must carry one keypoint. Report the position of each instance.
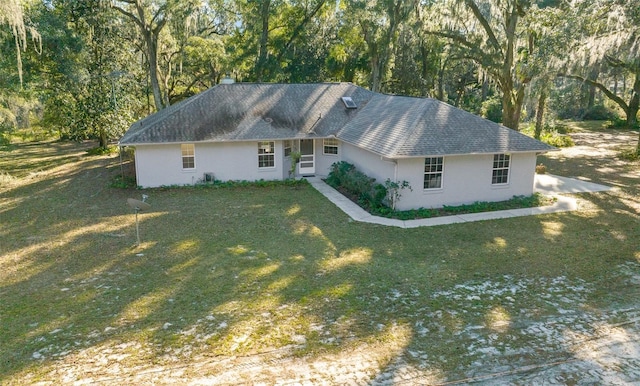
(249, 131)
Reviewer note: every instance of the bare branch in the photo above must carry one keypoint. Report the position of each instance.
(600, 87)
(485, 24)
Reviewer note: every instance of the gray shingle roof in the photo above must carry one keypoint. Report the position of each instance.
(398, 126)
(249, 111)
(392, 126)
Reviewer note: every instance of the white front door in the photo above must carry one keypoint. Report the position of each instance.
(307, 165)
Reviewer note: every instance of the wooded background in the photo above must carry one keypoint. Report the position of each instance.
(86, 69)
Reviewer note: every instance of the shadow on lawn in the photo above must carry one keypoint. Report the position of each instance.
(226, 272)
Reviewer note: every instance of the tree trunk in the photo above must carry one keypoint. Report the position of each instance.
(264, 38)
(630, 109)
(150, 35)
(441, 85)
(634, 103)
(510, 108)
(152, 56)
(508, 111)
(542, 101)
(591, 98)
(103, 142)
(485, 89)
(375, 68)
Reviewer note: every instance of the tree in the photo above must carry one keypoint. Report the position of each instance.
(547, 41)
(85, 96)
(151, 18)
(192, 52)
(12, 15)
(271, 35)
(612, 42)
(490, 33)
(379, 22)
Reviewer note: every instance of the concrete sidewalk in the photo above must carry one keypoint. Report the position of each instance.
(546, 184)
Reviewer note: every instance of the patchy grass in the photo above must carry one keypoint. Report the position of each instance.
(245, 271)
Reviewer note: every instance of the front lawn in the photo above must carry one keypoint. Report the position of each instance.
(227, 273)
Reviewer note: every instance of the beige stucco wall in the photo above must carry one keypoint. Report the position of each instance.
(370, 164)
(324, 161)
(158, 165)
(466, 179)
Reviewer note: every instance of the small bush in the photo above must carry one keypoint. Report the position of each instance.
(344, 176)
(102, 150)
(125, 182)
(553, 133)
(554, 139)
(558, 127)
(338, 173)
(5, 139)
(620, 123)
(599, 113)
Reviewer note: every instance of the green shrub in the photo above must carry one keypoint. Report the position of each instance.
(599, 113)
(553, 133)
(125, 182)
(102, 150)
(558, 127)
(5, 139)
(344, 176)
(338, 172)
(620, 123)
(492, 109)
(553, 138)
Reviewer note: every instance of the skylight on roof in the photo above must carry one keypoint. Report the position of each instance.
(349, 103)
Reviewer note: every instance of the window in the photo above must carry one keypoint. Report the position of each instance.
(433, 167)
(330, 146)
(266, 156)
(287, 148)
(500, 169)
(188, 156)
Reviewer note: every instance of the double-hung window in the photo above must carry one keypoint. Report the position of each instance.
(433, 168)
(330, 146)
(266, 155)
(501, 164)
(188, 156)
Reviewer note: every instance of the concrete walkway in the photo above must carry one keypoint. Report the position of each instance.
(546, 184)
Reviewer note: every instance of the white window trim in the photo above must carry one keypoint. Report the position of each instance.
(502, 184)
(430, 190)
(336, 146)
(182, 156)
(273, 154)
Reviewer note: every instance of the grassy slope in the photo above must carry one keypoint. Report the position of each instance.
(234, 271)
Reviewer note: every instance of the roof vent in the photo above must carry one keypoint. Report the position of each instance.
(349, 103)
